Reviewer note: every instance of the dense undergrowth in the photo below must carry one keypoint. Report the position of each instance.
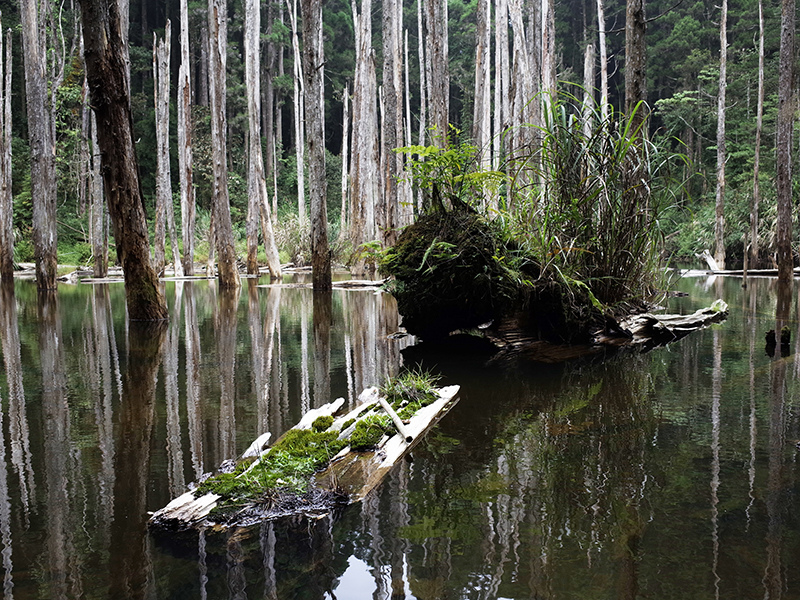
(566, 233)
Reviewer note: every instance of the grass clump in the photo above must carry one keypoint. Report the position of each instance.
(410, 391)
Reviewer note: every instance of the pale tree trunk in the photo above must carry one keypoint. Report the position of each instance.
(501, 81)
(364, 170)
(423, 88)
(105, 72)
(635, 62)
(99, 220)
(299, 111)
(438, 76)
(757, 158)
(313, 68)
(41, 134)
(588, 90)
(184, 102)
(601, 29)
(203, 68)
(258, 206)
(548, 53)
(343, 221)
(523, 87)
(223, 229)
(392, 117)
(786, 106)
(268, 107)
(719, 212)
(406, 189)
(481, 119)
(163, 187)
(6, 197)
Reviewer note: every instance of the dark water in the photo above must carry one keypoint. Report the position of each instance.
(671, 474)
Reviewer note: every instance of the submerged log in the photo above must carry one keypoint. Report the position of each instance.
(347, 478)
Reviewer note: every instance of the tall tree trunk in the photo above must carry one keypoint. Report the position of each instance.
(105, 71)
(184, 102)
(258, 207)
(481, 119)
(203, 69)
(757, 157)
(392, 131)
(423, 88)
(345, 154)
(299, 111)
(548, 52)
(313, 63)
(99, 223)
(163, 185)
(268, 104)
(719, 212)
(523, 90)
(223, 229)
(438, 76)
(786, 107)
(501, 83)
(6, 197)
(364, 171)
(635, 62)
(41, 134)
(601, 29)
(588, 90)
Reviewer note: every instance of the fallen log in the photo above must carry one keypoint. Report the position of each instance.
(235, 497)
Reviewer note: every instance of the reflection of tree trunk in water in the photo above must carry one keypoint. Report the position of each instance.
(226, 356)
(104, 413)
(57, 448)
(323, 307)
(267, 539)
(194, 414)
(776, 499)
(716, 392)
(750, 296)
(370, 513)
(398, 514)
(260, 365)
(201, 563)
(237, 581)
(5, 515)
(128, 561)
(305, 392)
(177, 482)
(276, 374)
(18, 431)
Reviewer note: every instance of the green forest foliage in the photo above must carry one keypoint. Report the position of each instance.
(683, 57)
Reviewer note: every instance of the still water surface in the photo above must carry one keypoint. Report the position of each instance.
(671, 474)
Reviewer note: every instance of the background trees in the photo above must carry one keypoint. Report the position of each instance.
(438, 68)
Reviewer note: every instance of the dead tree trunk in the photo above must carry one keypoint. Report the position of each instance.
(786, 107)
(163, 185)
(228, 274)
(6, 198)
(635, 62)
(757, 157)
(601, 34)
(258, 207)
(438, 76)
(313, 61)
(41, 137)
(99, 220)
(392, 133)
(719, 211)
(184, 102)
(299, 111)
(481, 120)
(105, 72)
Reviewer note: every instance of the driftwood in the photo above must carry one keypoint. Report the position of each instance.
(347, 479)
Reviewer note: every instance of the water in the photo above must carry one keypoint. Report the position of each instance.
(671, 474)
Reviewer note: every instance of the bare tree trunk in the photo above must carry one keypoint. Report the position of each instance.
(258, 206)
(548, 53)
(268, 106)
(524, 88)
(163, 185)
(203, 67)
(786, 106)
(226, 253)
(343, 224)
(757, 157)
(392, 131)
(184, 102)
(299, 111)
(437, 49)
(501, 81)
(41, 134)
(635, 62)
(313, 63)
(588, 90)
(481, 120)
(364, 171)
(6, 197)
(105, 72)
(423, 88)
(719, 212)
(601, 28)
(99, 223)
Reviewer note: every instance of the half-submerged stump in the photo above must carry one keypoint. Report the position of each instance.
(347, 456)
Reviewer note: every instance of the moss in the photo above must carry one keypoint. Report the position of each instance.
(322, 423)
(347, 423)
(369, 431)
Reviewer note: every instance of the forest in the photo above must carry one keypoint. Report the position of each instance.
(396, 74)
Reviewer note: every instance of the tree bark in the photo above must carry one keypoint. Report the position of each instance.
(6, 197)
(719, 210)
(299, 111)
(786, 108)
(343, 221)
(588, 90)
(184, 102)
(313, 62)
(438, 76)
(757, 157)
(601, 30)
(163, 185)
(258, 207)
(41, 137)
(635, 62)
(481, 119)
(105, 72)
(99, 222)
(392, 133)
(501, 84)
(228, 274)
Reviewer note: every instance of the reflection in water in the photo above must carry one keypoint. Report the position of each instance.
(590, 479)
